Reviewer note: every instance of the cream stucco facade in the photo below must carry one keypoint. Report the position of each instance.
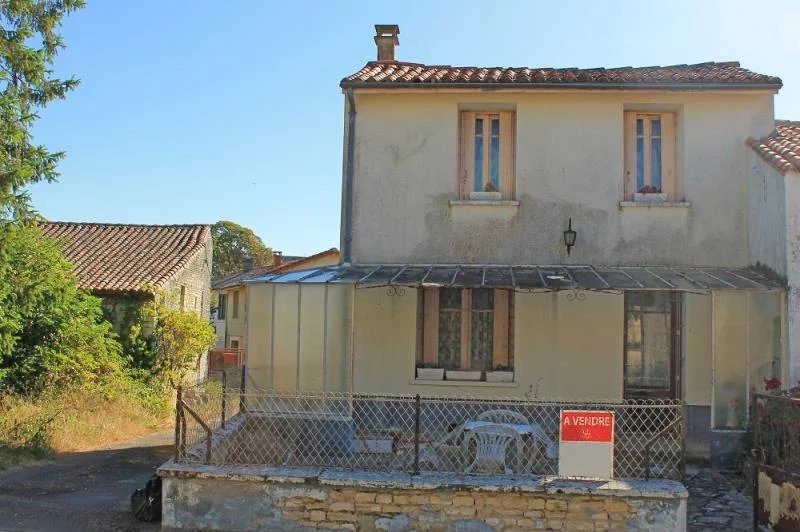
(569, 163)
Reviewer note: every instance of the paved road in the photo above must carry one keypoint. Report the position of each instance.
(82, 491)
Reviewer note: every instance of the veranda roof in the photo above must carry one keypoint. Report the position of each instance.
(532, 277)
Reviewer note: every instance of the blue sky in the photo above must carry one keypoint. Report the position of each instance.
(198, 111)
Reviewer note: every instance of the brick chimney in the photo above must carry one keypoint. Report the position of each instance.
(277, 258)
(247, 263)
(386, 39)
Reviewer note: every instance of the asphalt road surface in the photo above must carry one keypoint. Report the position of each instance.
(82, 491)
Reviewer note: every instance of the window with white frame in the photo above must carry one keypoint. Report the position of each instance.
(487, 155)
(650, 155)
(466, 329)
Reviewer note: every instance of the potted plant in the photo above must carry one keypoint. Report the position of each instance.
(430, 372)
(500, 373)
(489, 193)
(463, 375)
(650, 194)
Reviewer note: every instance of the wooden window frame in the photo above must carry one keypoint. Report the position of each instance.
(507, 151)
(428, 327)
(236, 298)
(669, 144)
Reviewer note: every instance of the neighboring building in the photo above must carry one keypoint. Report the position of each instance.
(774, 206)
(230, 297)
(462, 186)
(120, 262)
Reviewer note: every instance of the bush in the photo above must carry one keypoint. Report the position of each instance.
(51, 333)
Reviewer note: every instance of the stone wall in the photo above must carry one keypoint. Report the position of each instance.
(231, 498)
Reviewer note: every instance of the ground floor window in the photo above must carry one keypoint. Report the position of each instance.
(652, 343)
(465, 329)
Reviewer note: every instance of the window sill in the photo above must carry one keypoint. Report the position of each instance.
(478, 384)
(654, 204)
(484, 203)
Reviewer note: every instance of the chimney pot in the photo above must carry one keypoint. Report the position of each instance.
(247, 263)
(277, 258)
(386, 39)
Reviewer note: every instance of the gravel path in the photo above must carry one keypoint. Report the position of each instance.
(82, 491)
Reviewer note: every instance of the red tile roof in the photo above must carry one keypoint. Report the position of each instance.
(125, 258)
(781, 149)
(713, 75)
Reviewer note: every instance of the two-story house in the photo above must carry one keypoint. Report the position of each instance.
(584, 232)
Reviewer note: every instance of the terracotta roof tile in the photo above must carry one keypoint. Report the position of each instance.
(124, 258)
(394, 73)
(781, 149)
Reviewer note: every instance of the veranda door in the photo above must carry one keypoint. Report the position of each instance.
(652, 344)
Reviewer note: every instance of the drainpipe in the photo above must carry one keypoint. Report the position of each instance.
(347, 199)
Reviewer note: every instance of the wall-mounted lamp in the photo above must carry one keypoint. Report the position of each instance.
(569, 237)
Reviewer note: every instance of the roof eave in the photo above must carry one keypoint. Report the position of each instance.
(773, 87)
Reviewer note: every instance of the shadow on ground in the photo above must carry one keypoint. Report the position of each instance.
(82, 491)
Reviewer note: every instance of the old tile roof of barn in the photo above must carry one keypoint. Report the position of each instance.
(781, 149)
(703, 75)
(126, 258)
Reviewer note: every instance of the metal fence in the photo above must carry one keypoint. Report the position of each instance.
(221, 422)
(776, 431)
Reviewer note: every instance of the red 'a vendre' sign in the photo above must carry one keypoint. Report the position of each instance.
(587, 425)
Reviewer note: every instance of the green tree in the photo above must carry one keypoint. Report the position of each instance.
(29, 43)
(232, 243)
(51, 333)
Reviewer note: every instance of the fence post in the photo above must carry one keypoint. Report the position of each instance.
(242, 389)
(416, 434)
(178, 401)
(754, 455)
(224, 394)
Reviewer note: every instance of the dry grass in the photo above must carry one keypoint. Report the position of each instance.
(76, 420)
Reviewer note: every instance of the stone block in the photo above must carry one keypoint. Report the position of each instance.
(383, 498)
(364, 497)
(338, 496)
(316, 515)
(556, 504)
(463, 500)
(401, 499)
(555, 524)
(460, 511)
(337, 526)
(391, 509)
(536, 504)
(341, 516)
(554, 514)
(615, 505)
(599, 516)
(368, 507)
(587, 506)
(342, 507)
(533, 514)
(577, 525)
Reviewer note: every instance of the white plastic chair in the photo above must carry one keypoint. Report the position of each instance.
(491, 448)
(503, 416)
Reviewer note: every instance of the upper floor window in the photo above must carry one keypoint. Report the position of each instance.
(487, 155)
(650, 148)
(222, 303)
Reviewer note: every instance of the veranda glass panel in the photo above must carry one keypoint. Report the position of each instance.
(478, 155)
(639, 153)
(655, 154)
(730, 359)
(766, 349)
(649, 342)
(450, 328)
(495, 154)
(481, 329)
